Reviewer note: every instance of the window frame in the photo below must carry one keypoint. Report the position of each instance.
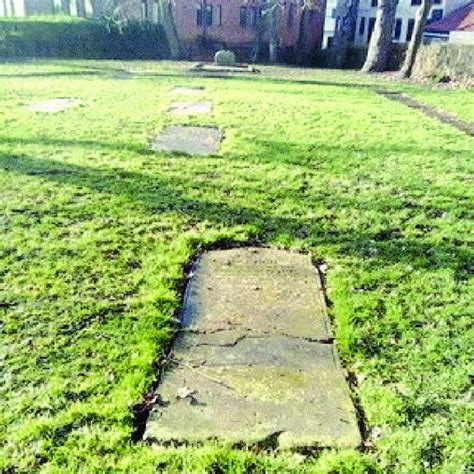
(410, 29)
(243, 23)
(370, 27)
(397, 28)
(362, 26)
(437, 10)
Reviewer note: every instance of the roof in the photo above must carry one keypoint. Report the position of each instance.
(461, 19)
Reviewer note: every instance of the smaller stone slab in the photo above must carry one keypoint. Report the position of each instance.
(191, 108)
(255, 362)
(53, 106)
(181, 90)
(121, 75)
(216, 68)
(191, 140)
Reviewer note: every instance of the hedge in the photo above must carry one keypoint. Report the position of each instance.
(68, 37)
(445, 61)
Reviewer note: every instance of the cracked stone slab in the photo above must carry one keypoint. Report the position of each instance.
(191, 140)
(191, 108)
(256, 352)
(182, 90)
(53, 106)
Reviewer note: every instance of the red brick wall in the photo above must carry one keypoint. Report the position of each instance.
(230, 32)
(185, 16)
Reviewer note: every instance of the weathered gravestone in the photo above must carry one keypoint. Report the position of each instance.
(254, 362)
(191, 108)
(53, 106)
(183, 90)
(192, 140)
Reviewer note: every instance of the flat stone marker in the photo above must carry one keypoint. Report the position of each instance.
(254, 362)
(53, 106)
(187, 90)
(191, 108)
(192, 140)
(121, 75)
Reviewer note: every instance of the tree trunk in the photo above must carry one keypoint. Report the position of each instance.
(420, 22)
(273, 43)
(303, 30)
(260, 30)
(381, 40)
(167, 22)
(346, 14)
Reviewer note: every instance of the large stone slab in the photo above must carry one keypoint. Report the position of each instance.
(184, 90)
(53, 106)
(191, 108)
(192, 140)
(254, 362)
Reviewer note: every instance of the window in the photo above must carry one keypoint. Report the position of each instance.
(291, 15)
(206, 17)
(329, 44)
(371, 28)
(250, 17)
(415, 2)
(437, 2)
(209, 16)
(411, 25)
(333, 13)
(218, 15)
(199, 16)
(144, 10)
(373, 3)
(362, 26)
(243, 17)
(398, 29)
(437, 14)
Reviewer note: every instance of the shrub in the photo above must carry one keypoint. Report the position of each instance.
(445, 61)
(225, 58)
(65, 37)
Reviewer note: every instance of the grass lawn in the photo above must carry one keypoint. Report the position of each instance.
(97, 230)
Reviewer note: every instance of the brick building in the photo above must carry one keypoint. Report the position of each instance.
(233, 24)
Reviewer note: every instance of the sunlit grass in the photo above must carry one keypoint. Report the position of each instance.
(96, 231)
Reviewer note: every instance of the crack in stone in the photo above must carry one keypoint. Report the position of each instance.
(257, 335)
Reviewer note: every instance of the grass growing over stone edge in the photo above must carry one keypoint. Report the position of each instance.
(97, 230)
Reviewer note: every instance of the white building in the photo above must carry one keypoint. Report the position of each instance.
(404, 22)
(456, 27)
(329, 22)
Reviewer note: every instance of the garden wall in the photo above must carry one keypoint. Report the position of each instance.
(445, 61)
(67, 37)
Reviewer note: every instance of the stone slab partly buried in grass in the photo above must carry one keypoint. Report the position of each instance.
(53, 106)
(191, 108)
(192, 140)
(182, 90)
(254, 362)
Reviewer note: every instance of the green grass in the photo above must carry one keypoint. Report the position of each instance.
(456, 101)
(96, 231)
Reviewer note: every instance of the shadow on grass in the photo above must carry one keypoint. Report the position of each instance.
(58, 74)
(271, 152)
(106, 72)
(94, 144)
(160, 194)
